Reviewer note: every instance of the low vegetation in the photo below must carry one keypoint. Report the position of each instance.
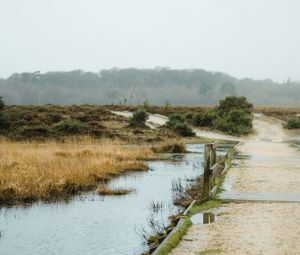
(59, 122)
(178, 123)
(293, 122)
(70, 126)
(139, 118)
(55, 170)
(232, 115)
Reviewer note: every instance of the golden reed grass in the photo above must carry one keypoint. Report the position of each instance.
(169, 146)
(106, 191)
(53, 170)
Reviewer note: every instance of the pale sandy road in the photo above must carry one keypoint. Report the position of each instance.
(154, 120)
(255, 228)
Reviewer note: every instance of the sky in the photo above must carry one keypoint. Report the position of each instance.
(258, 39)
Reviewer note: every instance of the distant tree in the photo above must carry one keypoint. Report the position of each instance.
(184, 87)
(146, 104)
(204, 88)
(228, 89)
(167, 104)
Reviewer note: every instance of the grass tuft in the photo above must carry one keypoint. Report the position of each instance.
(106, 191)
(169, 147)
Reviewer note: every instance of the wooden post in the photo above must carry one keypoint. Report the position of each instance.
(213, 161)
(206, 174)
(213, 157)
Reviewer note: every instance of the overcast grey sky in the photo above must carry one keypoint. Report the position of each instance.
(244, 38)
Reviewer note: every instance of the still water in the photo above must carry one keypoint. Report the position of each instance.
(94, 224)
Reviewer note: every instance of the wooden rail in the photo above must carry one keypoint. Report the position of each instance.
(211, 168)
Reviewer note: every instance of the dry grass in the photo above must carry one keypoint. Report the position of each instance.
(53, 170)
(106, 191)
(169, 146)
(278, 112)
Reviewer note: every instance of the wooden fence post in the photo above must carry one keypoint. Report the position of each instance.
(210, 167)
(206, 174)
(213, 156)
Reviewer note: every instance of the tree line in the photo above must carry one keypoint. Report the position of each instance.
(157, 86)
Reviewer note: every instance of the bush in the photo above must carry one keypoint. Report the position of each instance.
(189, 117)
(1, 104)
(139, 117)
(174, 119)
(293, 122)
(28, 131)
(233, 115)
(233, 102)
(55, 117)
(16, 115)
(178, 123)
(4, 123)
(205, 119)
(182, 128)
(69, 126)
(235, 121)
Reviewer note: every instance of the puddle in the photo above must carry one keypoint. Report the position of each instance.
(203, 218)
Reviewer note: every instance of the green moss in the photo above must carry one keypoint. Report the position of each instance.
(211, 203)
(210, 251)
(175, 238)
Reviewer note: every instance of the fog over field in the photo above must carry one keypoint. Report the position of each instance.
(135, 86)
(255, 42)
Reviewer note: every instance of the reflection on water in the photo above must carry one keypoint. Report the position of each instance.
(203, 218)
(94, 224)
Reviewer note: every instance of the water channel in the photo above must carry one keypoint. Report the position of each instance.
(94, 224)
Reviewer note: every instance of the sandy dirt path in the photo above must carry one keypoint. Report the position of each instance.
(271, 165)
(153, 121)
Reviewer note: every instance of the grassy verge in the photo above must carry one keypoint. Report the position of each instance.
(177, 236)
(54, 170)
